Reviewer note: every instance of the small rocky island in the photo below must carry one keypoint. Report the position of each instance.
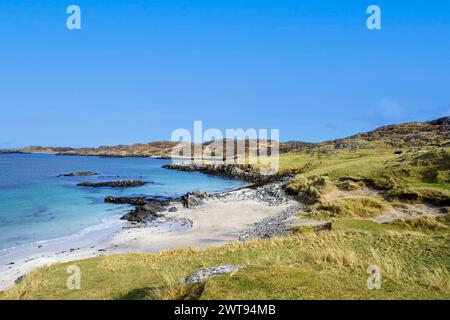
(113, 184)
(78, 174)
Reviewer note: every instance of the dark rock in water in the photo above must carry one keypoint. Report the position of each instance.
(78, 174)
(194, 199)
(138, 201)
(113, 184)
(206, 273)
(145, 208)
(173, 209)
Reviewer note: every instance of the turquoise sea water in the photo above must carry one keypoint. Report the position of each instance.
(36, 204)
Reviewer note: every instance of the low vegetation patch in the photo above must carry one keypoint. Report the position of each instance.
(445, 218)
(363, 225)
(308, 188)
(422, 223)
(357, 206)
(433, 196)
(434, 165)
(386, 180)
(349, 185)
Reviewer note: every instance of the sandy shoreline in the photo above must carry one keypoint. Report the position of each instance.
(217, 221)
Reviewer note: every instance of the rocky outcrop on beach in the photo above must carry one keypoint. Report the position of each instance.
(78, 174)
(236, 171)
(194, 199)
(272, 194)
(142, 213)
(113, 184)
(145, 208)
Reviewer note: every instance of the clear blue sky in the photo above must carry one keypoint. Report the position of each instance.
(139, 69)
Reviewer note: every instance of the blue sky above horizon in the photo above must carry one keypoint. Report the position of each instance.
(140, 69)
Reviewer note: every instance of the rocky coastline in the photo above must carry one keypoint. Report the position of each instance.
(235, 171)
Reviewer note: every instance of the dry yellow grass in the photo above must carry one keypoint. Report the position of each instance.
(340, 256)
(354, 206)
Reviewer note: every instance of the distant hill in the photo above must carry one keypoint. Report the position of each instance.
(436, 132)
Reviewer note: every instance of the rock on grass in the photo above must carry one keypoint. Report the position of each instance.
(206, 273)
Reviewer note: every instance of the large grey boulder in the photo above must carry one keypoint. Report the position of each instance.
(206, 273)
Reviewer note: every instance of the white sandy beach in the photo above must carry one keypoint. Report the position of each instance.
(215, 222)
